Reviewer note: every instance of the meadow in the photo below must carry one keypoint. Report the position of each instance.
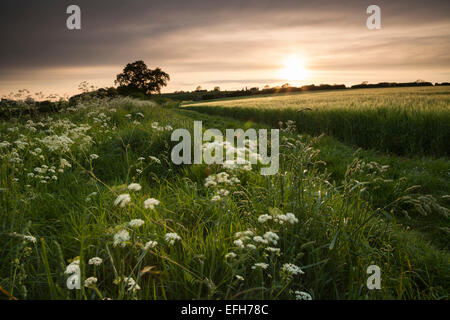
(403, 121)
(89, 196)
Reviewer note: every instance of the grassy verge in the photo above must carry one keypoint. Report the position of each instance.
(242, 244)
(403, 121)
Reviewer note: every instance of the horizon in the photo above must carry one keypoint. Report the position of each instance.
(231, 45)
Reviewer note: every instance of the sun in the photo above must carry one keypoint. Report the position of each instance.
(294, 69)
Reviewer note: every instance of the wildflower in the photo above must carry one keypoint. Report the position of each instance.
(122, 200)
(244, 235)
(90, 282)
(239, 243)
(291, 269)
(209, 183)
(240, 278)
(64, 163)
(136, 223)
(291, 218)
(223, 192)
(273, 250)
(134, 187)
(288, 217)
(215, 198)
(121, 238)
(300, 295)
(172, 237)
(260, 265)
(96, 261)
(151, 203)
(271, 237)
(260, 239)
(230, 255)
(264, 217)
(251, 246)
(132, 285)
(30, 239)
(155, 159)
(150, 244)
(94, 156)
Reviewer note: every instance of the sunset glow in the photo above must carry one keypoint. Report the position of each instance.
(294, 70)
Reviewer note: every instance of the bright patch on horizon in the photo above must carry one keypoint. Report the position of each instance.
(294, 70)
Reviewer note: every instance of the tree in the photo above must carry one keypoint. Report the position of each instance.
(216, 88)
(136, 75)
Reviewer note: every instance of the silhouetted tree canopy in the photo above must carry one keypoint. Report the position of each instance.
(136, 75)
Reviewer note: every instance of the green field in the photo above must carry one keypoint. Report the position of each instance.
(64, 177)
(404, 121)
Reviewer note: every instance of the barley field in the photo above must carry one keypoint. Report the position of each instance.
(89, 196)
(403, 121)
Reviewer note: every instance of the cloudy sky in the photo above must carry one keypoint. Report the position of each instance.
(229, 43)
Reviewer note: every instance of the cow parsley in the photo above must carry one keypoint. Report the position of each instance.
(151, 203)
(121, 238)
(136, 223)
(291, 269)
(122, 200)
(96, 261)
(134, 187)
(171, 238)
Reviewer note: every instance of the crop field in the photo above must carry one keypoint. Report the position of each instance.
(89, 196)
(404, 121)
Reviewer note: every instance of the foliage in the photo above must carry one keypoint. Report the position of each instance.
(136, 75)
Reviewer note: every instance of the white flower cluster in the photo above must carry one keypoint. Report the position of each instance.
(71, 134)
(151, 203)
(150, 245)
(240, 158)
(245, 236)
(90, 282)
(96, 261)
(291, 269)
(132, 285)
(278, 218)
(220, 178)
(260, 265)
(136, 223)
(121, 238)
(300, 295)
(155, 159)
(134, 187)
(157, 127)
(216, 180)
(122, 200)
(171, 238)
(25, 237)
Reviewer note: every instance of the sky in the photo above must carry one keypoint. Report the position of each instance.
(231, 44)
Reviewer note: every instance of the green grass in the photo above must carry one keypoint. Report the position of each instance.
(403, 121)
(352, 212)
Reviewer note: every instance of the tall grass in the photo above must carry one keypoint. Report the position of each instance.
(404, 121)
(337, 235)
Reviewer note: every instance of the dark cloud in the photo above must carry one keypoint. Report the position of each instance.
(214, 36)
